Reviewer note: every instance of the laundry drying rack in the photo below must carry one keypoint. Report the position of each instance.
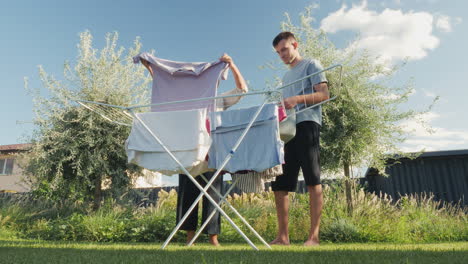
(127, 115)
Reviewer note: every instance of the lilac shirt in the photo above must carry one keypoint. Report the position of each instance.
(174, 81)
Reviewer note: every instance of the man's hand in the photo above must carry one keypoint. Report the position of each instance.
(290, 102)
(321, 94)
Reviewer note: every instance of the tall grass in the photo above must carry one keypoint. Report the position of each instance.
(374, 219)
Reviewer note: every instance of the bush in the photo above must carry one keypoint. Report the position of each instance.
(374, 219)
(341, 230)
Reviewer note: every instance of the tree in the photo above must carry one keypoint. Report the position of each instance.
(75, 150)
(361, 127)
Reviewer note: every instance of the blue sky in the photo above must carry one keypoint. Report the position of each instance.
(432, 34)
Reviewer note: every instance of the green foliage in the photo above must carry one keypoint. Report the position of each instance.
(341, 230)
(412, 219)
(74, 149)
(33, 251)
(362, 125)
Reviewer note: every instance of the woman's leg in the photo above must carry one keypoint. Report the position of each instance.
(187, 193)
(213, 228)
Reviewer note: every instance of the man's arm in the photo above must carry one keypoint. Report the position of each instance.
(321, 94)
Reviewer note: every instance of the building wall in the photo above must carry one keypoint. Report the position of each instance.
(12, 182)
(445, 177)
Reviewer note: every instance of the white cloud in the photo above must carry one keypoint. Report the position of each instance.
(392, 34)
(429, 93)
(443, 24)
(314, 6)
(393, 96)
(440, 138)
(427, 1)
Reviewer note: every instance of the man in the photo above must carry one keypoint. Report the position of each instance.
(303, 150)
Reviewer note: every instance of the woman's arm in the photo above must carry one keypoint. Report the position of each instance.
(240, 81)
(241, 85)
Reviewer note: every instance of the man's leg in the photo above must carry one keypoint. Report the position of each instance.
(316, 203)
(282, 211)
(281, 186)
(308, 133)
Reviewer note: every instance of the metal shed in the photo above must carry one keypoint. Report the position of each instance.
(442, 173)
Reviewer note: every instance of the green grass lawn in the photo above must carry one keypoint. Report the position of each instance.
(32, 251)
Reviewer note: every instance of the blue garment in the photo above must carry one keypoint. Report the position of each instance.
(302, 69)
(261, 149)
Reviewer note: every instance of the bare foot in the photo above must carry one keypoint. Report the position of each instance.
(311, 243)
(190, 235)
(216, 244)
(214, 240)
(279, 241)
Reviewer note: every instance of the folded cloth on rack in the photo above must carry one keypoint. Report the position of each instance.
(254, 182)
(184, 133)
(176, 81)
(260, 149)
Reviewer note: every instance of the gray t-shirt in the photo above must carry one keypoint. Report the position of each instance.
(302, 69)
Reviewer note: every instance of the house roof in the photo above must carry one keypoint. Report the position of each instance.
(459, 152)
(442, 153)
(428, 154)
(14, 147)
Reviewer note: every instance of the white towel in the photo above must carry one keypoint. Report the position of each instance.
(182, 132)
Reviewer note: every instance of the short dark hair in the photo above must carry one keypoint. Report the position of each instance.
(281, 36)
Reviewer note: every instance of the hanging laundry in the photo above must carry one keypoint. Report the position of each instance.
(287, 126)
(261, 148)
(184, 133)
(176, 81)
(254, 182)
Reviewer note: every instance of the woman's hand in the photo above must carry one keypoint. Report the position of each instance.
(227, 59)
(147, 66)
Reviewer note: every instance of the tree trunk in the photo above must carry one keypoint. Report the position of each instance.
(349, 198)
(97, 193)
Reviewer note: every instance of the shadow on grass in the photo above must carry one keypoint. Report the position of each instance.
(55, 252)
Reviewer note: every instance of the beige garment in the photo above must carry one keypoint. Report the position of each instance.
(254, 182)
(224, 103)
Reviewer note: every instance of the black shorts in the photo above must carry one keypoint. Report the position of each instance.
(303, 151)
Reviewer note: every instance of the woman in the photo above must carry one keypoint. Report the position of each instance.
(188, 192)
